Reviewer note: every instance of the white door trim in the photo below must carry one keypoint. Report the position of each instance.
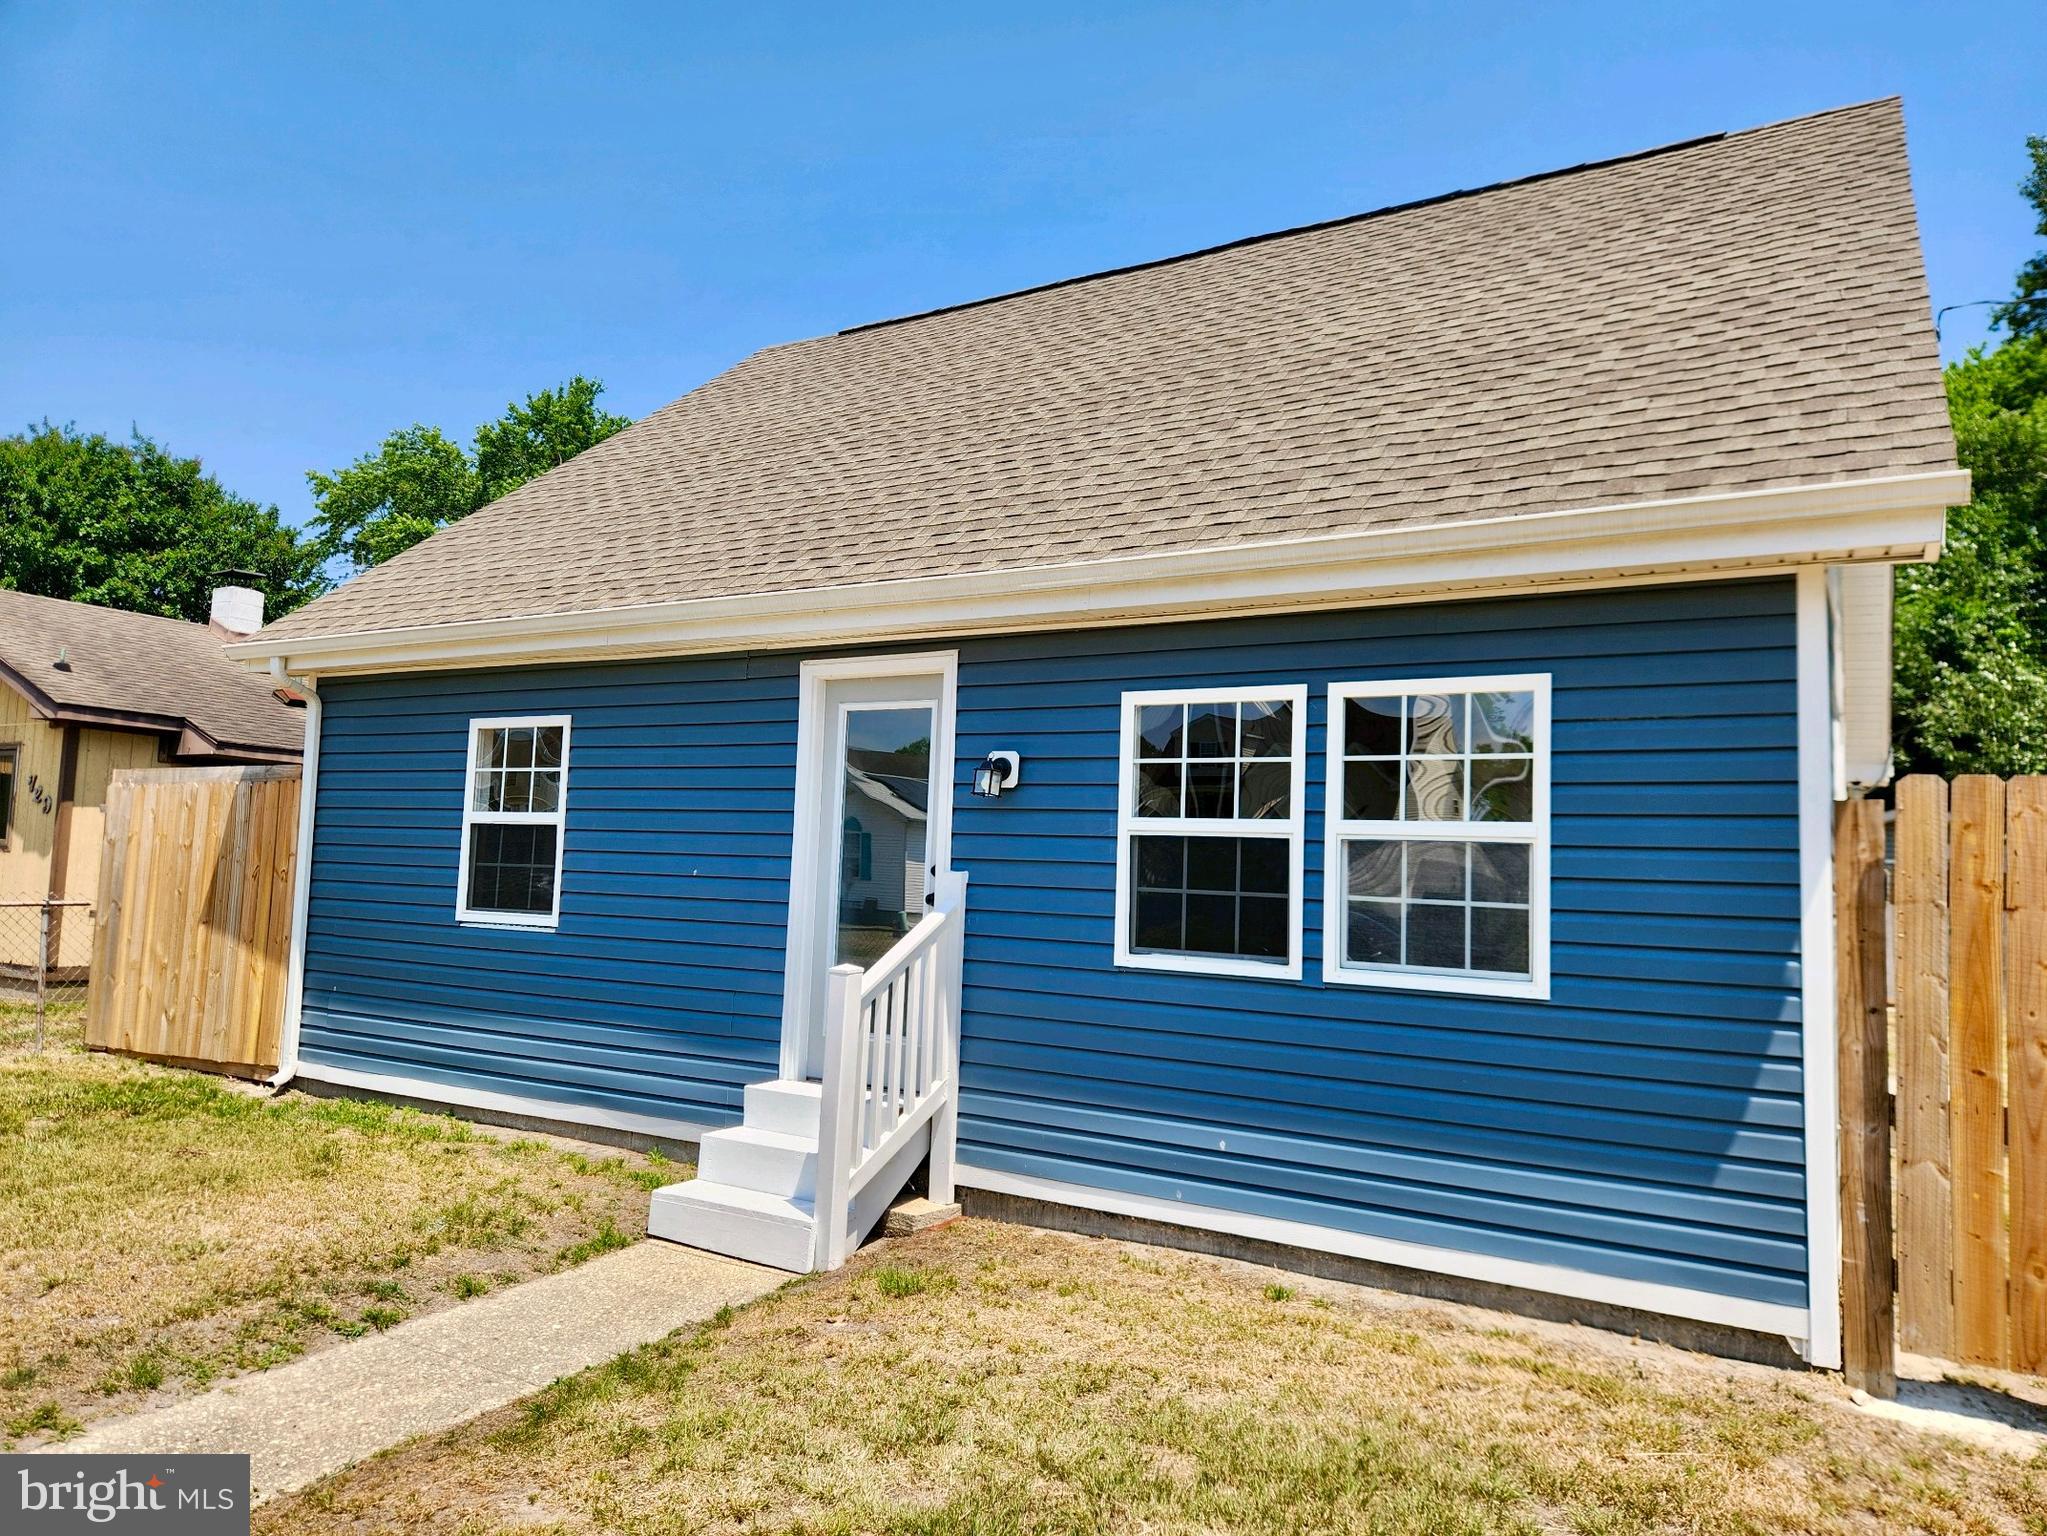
(815, 790)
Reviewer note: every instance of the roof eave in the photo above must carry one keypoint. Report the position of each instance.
(1892, 518)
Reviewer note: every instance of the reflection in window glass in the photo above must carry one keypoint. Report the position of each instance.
(1416, 769)
(1438, 905)
(886, 787)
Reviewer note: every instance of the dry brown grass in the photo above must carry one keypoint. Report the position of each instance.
(996, 1379)
(161, 1229)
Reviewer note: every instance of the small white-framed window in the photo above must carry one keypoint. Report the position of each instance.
(515, 802)
(1209, 817)
(1436, 875)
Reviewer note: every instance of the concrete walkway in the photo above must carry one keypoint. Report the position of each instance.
(300, 1422)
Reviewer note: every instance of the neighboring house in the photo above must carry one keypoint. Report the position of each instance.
(87, 690)
(1433, 642)
(882, 877)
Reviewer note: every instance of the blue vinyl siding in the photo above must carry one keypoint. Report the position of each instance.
(661, 992)
(1645, 1122)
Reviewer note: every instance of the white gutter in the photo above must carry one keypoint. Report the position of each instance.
(301, 880)
(1889, 518)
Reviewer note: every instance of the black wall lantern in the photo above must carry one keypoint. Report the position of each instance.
(998, 771)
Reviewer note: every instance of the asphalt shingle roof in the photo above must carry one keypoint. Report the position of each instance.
(1735, 313)
(139, 664)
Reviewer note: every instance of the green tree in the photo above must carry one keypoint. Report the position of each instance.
(2026, 315)
(387, 501)
(1972, 630)
(551, 428)
(419, 481)
(133, 525)
(1971, 637)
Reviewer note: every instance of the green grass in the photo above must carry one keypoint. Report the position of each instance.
(995, 1379)
(161, 1230)
(897, 1283)
(606, 1239)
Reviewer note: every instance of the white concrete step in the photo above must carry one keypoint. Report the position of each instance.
(740, 1223)
(748, 1157)
(785, 1105)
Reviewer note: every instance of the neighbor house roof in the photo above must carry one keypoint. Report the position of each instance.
(1732, 314)
(105, 666)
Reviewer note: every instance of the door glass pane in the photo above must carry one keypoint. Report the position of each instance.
(882, 868)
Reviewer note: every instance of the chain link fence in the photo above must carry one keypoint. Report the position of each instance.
(45, 949)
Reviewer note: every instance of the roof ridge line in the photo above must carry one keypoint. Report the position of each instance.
(1674, 147)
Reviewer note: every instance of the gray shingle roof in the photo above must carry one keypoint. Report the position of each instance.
(165, 671)
(1730, 314)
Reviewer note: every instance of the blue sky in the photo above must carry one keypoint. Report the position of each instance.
(267, 235)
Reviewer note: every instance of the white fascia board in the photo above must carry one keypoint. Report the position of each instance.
(1892, 518)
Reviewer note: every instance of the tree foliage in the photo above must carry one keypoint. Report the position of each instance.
(551, 428)
(1972, 630)
(387, 501)
(419, 481)
(2026, 315)
(133, 525)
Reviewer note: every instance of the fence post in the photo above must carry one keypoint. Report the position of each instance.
(1868, 1318)
(1926, 1196)
(1976, 1068)
(42, 969)
(2025, 899)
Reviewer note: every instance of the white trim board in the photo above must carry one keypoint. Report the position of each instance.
(503, 1103)
(1533, 833)
(1551, 1279)
(1129, 826)
(301, 881)
(1883, 518)
(1818, 1029)
(816, 791)
(558, 818)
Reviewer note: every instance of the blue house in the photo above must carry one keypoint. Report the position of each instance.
(1327, 743)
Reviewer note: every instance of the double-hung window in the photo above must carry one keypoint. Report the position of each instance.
(515, 799)
(1208, 866)
(1437, 865)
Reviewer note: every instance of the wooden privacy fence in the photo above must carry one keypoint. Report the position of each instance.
(1969, 1015)
(188, 954)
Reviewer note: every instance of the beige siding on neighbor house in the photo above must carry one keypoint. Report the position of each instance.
(100, 753)
(32, 826)
(32, 836)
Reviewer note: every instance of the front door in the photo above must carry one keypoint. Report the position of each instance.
(876, 738)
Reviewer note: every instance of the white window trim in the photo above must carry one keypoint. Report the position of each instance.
(1535, 833)
(1128, 822)
(558, 818)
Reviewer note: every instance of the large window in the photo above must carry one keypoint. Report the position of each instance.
(1437, 874)
(516, 796)
(1208, 870)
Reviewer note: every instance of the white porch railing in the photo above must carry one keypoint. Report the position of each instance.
(891, 1053)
